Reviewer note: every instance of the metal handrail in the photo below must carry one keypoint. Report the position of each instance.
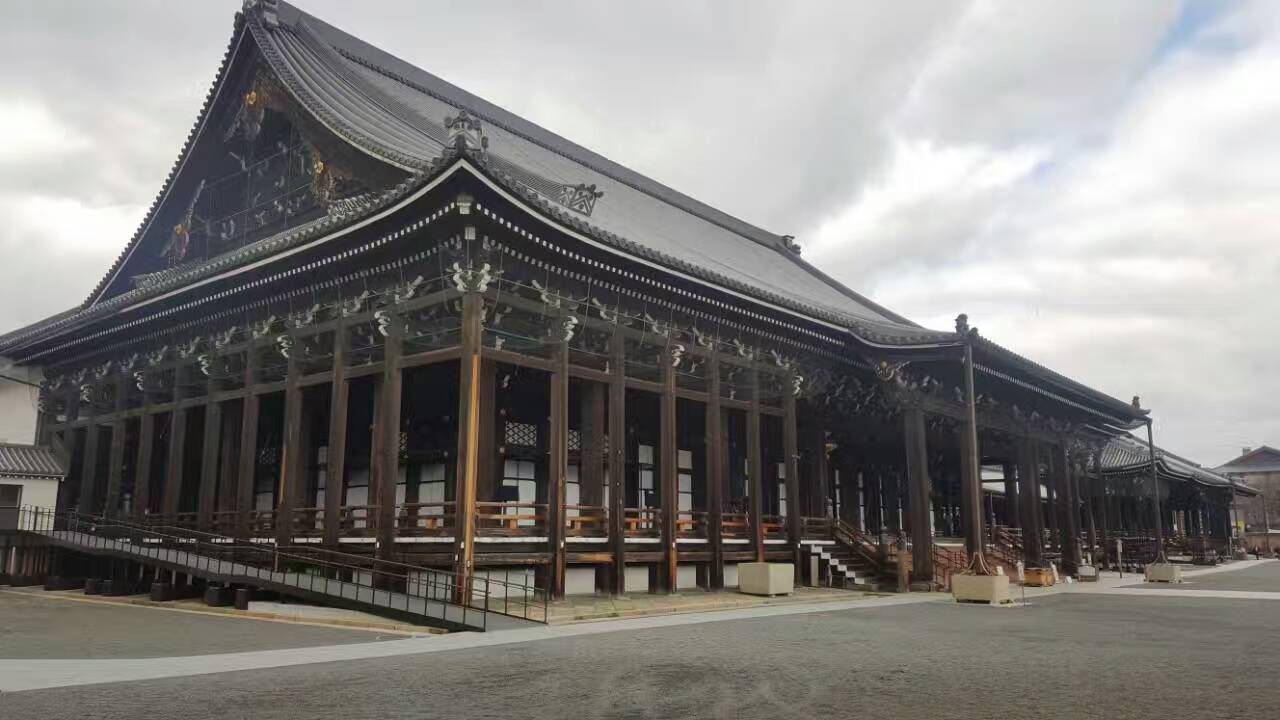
(429, 584)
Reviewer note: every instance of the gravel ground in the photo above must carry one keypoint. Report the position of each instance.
(1074, 656)
(1261, 578)
(37, 626)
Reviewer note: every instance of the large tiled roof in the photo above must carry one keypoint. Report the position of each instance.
(29, 461)
(1126, 454)
(397, 112)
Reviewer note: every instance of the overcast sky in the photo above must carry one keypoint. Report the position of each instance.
(1097, 184)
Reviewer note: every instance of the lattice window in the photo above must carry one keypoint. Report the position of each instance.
(575, 439)
(522, 434)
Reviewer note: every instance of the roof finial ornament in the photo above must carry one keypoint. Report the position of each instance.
(465, 132)
(962, 324)
(789, 242)
(1137, 403)
(269, 9)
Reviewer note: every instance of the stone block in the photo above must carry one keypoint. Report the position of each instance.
(757, 578)
(991, 589)
(1164, 572)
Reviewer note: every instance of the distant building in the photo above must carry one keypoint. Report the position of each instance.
(1260, 469)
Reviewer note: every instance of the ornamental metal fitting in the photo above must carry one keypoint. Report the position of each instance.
(102, 370)
(187, 349)
(155, 357)
(224, 339)
(204, 359)
(704, 340)
(86, 393)
(408, 290)
(355, 304)
(742, 350)
(466, 132)
(263, 327)
(306, 317)
(285, 344)
(566, 328)
(677, 354)
(887, 371)
(383, 318)
(471, 280)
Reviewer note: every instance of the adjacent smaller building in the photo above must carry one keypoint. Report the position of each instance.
(29, 475)
(1259, 469)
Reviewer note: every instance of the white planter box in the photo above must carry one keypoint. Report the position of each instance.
(1164, 572)
(993, 589)
(756, 578)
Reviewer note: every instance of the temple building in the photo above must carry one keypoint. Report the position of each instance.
(373, 313)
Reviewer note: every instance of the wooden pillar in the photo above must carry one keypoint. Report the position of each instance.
(177, 449)
(292, 467)
(1089, 479)
(468, 442)
(336, 462)
(559, 470)
(228, 455)
(386, 469)
(491, 428)
(89, 464)
(1011, 510)
(791, 465)
(714, 420)
(142, 476)
(115, 463)
(755, 464)
(1068, 517)
(668, 470)
(248, 443)
(617, 459)
(820, 489)
(919, 488)
(1029, 495)
(210, 452)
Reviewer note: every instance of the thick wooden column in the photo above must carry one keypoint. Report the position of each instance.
(387, 467)
(1068, 517)
(146, 443)
(491, 428)
(1029, 495)
(336, 463)
(208, 499)
(791, 466)
(1090, 489)
(816, 441)
(292, 466)
(919, 489)
(1011, 511)
(88, 465)
(559, 470)
(715, 442)
(755, 465)
(970, 502)
(617, 463)
(668, 470)
(115, 462)
(177, 448)
(468, 442)
(249, 412)
(228, 455)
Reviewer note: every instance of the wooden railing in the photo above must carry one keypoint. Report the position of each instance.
(356, 520)
(186, 520)
(642, 522)
(424, 519)
(511, 519)
(691, 524)
(735, 525)
(815, 528)
(775, 526)
(308, 522)
(262, 523)
(225, 522)
(586, 521)
(857, 541)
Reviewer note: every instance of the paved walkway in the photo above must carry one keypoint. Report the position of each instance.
(587, 608)
(16, 675)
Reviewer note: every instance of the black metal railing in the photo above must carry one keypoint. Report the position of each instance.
(431, 594)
